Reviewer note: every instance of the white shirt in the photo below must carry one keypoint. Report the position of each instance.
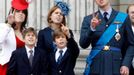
(133, 28)
(7, 42)
(57, 54)
(27, 50)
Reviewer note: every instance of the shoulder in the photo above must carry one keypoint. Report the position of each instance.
(88, 16)
(47, 29)
(5, 26)
(19, 50)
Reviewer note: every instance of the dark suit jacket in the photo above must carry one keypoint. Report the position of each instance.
(19, 63)
(87, 37)
(66, 67)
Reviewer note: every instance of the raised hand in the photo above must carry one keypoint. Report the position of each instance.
(10, 18)
(65, 30)
(95, 21)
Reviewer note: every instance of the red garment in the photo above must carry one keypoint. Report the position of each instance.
(3, 69)
(19, 43)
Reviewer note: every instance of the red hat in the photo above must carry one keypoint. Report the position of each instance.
(20, 4)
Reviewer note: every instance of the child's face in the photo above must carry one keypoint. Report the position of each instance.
(30, 39)
(61, 41)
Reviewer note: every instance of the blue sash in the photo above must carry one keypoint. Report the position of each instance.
(109, 33)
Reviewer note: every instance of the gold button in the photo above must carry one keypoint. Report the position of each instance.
(106, 48)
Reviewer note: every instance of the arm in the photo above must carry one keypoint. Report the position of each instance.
(86, 33)
(73, 45)
(4, 30)
(130, 50)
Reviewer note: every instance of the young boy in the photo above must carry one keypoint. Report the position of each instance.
(62, 61)
(28, 60)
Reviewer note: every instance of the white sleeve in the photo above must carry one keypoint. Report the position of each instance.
(4, 30)
(133, 62)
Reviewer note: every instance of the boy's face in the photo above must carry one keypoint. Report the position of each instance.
(61, 41)
(30, 39)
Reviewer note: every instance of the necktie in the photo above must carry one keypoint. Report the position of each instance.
(60, 57)
(105, 16)
(31, 57)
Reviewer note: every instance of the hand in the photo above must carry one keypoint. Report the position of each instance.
(95, 21)
(65, 30)
(124, 70)
(10, 18)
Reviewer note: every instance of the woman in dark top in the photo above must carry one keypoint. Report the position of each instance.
(56, 20)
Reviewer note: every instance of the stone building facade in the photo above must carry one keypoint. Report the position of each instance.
(38, 10)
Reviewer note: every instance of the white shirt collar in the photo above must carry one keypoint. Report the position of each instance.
(64, 49)
(109, 11)
(57, 52)
(133, 28)
(28, 49)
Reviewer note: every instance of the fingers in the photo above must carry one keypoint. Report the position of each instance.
(10, 17)
(95, 21)
(65, 29)
(10, 11)
(62, 25)
(97, 15)
(14, 11)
